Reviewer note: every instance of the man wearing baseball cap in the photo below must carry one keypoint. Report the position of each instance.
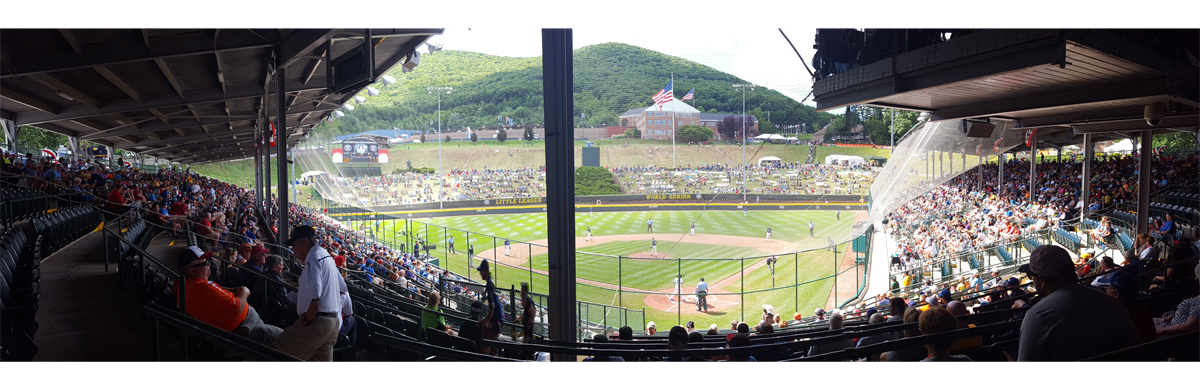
(318, 301)
(219, 306)
(1071, 321)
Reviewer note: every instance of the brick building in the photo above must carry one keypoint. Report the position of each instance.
(655, 123)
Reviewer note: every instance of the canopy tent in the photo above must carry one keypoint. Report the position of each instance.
(1125, 145)
(770, 160)
(305, 175)
(771, 136)
(843, 159)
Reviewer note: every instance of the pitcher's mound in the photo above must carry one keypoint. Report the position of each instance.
(647, 255)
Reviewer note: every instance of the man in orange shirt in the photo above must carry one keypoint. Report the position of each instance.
(218, 306)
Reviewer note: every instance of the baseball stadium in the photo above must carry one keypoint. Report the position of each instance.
(379, 195)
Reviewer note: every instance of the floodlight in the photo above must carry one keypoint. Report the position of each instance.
(388, 80)
(348, 107)
(360, 99)
(372, 91)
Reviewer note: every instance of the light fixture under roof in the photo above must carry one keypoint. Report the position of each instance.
(348, 107)
(339, 114)
(360, 99)
(372, 91)
(388, 80)
(65, 95)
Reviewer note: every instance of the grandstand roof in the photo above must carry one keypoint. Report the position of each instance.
(187, 95)
(1064, 82)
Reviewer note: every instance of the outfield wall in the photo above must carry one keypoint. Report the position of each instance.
(619, 203)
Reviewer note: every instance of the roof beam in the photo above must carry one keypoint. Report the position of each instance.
(312, 67)
(221, 73)
(158, 114)
(300, 42)
(58, 85)
(217, 121)
(146, 37)
(196, 97)
(120, 52)
(1138, 124)
(29, 101)
(162, 65)
(986, 64)
(70, 37)
(1110, 93)
(116, 80)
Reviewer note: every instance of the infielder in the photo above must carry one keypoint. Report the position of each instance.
(589, 233)
(693, 228)
(839, 214)
(507, 247)
(768, 234)
(810, 229)
(653, 247)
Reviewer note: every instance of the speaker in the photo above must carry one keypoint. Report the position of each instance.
(976, 129)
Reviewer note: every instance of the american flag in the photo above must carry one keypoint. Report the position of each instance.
(690, 95)
(665, 95)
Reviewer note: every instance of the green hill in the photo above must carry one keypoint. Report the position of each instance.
(610, 78)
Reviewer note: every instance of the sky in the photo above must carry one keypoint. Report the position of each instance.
(759, 55)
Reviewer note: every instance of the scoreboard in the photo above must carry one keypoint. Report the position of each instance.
(360, 150)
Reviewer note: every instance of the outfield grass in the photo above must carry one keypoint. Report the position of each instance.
(655, 275)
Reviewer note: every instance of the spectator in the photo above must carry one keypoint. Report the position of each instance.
(528, 313)
(939, 320)
(218, 306)
(651, 328)
(1123, 286)
(737, 341)
(713, 330)
(835, 323)
(1185, 318)
(431, 314)
(625, 333)
(258, 259)
(276, 292)
(677, 340)
(490, 324)
(599, 352)
(318, 302)
(875, 338)
(1070, 322)
(1105, 278)
(911, 354)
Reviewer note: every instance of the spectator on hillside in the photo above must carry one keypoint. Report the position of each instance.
(218, 306)
(939, 320)
(1070, 322)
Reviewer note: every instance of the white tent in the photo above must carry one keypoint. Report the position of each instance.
(771, 160)
(770, 136)
(843, 159)
(305, 175)
(1125, 145)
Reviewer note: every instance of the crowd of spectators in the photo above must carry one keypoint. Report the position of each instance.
(458, 184)
(787, 179)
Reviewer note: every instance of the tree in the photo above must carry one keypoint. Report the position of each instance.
(633, 133)
(730, 128)
(422, 136)
(447, 138)
(693, 133)
(528, 132)
(1175, 140)
(32, 137)
(595, 181)
(501, 135)
(474, 137)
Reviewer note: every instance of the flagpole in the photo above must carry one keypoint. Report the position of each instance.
(674, 161)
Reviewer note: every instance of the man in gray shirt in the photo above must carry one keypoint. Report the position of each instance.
(1072, 321)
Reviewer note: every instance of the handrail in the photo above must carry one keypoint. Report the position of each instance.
(910, 342)
(1163, 348)
(212, 334)
(428, 349)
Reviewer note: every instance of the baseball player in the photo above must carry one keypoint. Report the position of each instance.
(693, 228)
(649, 225)
(839, 214)
(589, 233)
(768, 234)
(507, 247)
(653, 246)
(810, 229)
(471, 250)
(678, 288)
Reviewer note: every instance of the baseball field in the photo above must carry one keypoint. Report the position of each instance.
(729, 250)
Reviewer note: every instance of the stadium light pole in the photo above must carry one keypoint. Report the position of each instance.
(441, 175)
(743, 88)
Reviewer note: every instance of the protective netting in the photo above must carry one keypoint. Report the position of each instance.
(932, 154)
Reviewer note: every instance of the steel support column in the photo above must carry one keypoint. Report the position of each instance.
(1143, 195)
(11, 131)
(1033, 139)
(557, 82)
(1085, 183)
(1000, 175)
(281, 151)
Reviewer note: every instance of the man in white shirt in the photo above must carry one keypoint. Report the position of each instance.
(318, 301)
